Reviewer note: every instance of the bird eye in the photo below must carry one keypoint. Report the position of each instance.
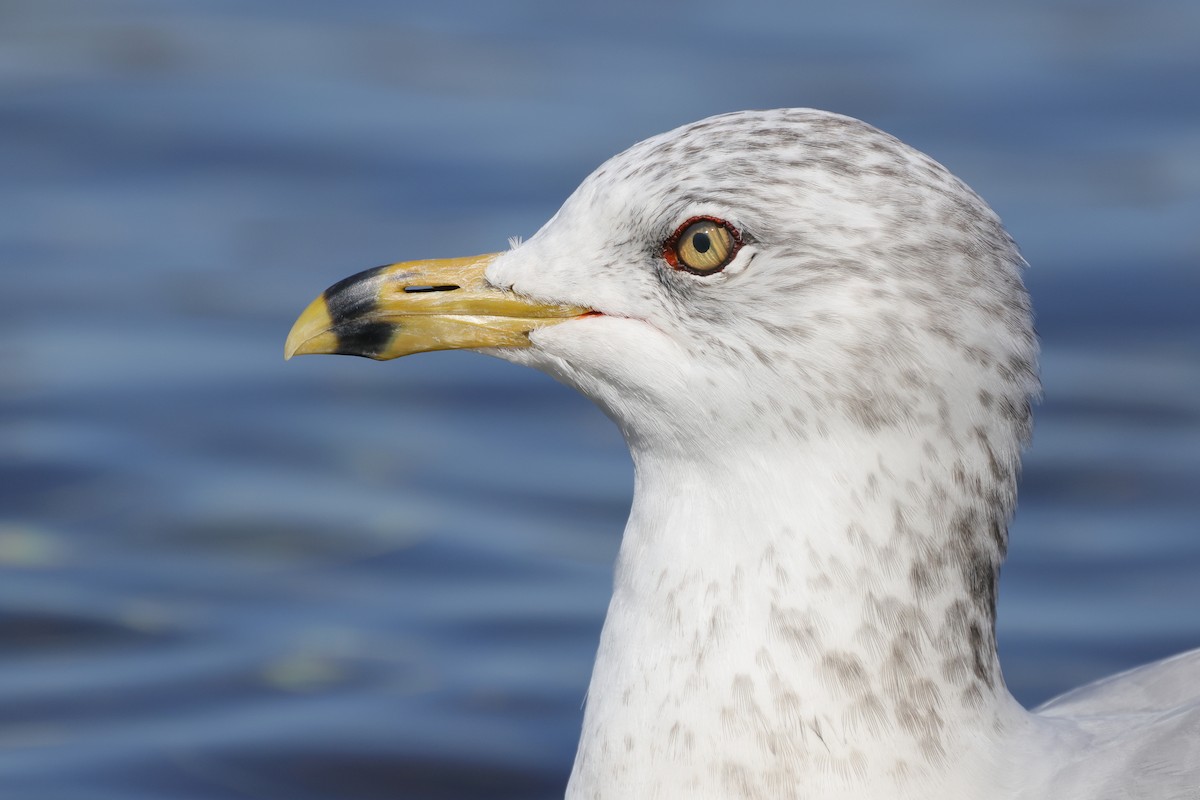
(702, 245)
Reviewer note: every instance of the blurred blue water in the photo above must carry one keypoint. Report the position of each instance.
(227, 577)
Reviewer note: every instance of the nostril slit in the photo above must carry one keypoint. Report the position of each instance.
(447, 287)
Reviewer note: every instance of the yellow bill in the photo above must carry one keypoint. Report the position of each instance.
(417, 306)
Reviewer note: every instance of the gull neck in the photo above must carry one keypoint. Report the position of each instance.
(820, 618)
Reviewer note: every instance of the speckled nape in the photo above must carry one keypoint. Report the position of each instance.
(826, 435)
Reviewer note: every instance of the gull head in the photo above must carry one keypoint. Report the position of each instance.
(792, 264)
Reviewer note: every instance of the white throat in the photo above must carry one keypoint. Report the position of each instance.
(792, 621)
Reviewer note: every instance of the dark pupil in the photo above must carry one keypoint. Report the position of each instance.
(701, 242)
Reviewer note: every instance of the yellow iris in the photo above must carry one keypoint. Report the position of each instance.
(704, 246)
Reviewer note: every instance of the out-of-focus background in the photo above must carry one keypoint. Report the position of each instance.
(224, 576)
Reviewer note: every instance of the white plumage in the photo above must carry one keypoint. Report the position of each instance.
(826, 433)
(826, 437)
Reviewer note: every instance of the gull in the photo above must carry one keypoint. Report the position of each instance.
(818, 346)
